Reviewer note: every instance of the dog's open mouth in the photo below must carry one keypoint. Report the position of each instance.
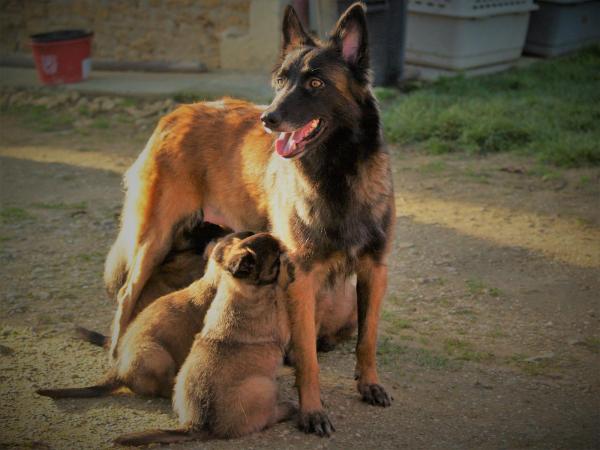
(292, 144)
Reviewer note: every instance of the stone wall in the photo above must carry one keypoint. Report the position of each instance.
(171, 31)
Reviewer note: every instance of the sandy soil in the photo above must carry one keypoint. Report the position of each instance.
(490, 336)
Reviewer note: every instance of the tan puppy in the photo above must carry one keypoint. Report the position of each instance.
(184, 264)
(226, 387)
(159, 339)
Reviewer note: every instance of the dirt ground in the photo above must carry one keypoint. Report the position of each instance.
(490, 336)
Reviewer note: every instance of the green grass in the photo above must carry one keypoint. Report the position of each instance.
(101, 123)
(396, 324)
(11, 215)
(465, 351)
(550, 109)
(478, 287)
(592, 344)
(392, 355)
(43, 119)
(434, 167)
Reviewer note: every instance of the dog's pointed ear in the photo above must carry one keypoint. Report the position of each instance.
(293, 32)
(350, 36)
(242, 264)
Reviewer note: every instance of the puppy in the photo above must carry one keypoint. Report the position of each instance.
(159, 339)
(185, 263)
(226, 387)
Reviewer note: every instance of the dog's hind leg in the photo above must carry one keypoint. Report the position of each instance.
(149, 253)
(152, 210)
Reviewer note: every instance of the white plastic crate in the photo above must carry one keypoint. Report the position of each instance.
(459, 44)
(470, 8)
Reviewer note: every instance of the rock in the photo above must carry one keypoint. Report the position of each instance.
(74, 96)
(107, 104)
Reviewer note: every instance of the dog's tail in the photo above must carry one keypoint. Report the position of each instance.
(98, 390)
(93, 337)
(161, 437)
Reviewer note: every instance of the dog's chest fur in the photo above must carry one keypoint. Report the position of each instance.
(332, 211)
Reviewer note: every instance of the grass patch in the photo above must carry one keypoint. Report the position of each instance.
(549, 109)
(393, 354)
(101, 123)
(11, 215)
(40, 118)
(478, 287)
(465, 351)
(475, 286)
(396, 324)
(433, 167)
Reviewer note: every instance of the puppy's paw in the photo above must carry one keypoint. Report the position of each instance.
(375, 394)
(315, 422)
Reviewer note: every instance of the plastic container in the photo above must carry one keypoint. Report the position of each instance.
(562, 26)
(469, 8)
(62, 56)
(386, 21)
(463, 35)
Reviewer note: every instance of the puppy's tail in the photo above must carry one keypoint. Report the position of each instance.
(161, 437)
(97, 390)
(93, 337)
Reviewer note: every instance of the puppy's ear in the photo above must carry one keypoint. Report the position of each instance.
(293, 32)
(242, 264)
(350, 37)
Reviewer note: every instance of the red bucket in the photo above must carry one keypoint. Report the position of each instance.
(62, 56)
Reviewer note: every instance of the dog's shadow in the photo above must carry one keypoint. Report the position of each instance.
(119, 401)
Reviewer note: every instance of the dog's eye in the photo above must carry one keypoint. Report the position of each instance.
(279, 82)
(315, 83)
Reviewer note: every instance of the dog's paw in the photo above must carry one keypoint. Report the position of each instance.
(315, 422)
(375, 394)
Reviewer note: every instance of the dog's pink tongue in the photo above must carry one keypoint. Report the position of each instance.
(286, 143)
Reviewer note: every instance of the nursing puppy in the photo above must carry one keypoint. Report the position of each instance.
(159, 339)
(184, 264)
(226, 387)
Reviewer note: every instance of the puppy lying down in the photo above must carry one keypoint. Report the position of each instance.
(226, 386)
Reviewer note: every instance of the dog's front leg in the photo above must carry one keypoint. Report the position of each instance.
(302, 293)
(371, 286)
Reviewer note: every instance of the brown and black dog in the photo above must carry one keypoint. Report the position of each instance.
(227, 386)
(323, 186)
(159, 339)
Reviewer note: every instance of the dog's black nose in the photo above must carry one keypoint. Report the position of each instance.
(271, 119)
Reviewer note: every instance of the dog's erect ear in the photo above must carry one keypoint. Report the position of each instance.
(293, 32)
(242, 264)
(350, 36)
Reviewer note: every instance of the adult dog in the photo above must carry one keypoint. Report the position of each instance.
(323, 186)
